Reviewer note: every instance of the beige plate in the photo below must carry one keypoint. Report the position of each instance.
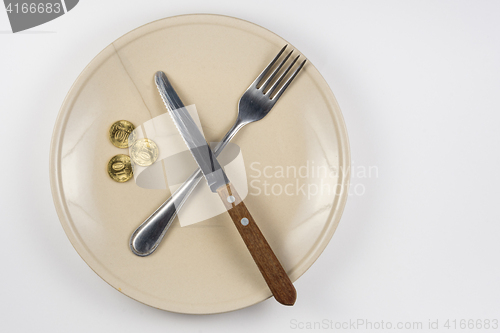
(205, 267)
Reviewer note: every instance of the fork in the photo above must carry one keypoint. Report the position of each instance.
(254, 105)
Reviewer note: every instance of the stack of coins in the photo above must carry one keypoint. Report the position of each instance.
(144, 152)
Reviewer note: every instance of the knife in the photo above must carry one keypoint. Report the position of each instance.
(275, 276)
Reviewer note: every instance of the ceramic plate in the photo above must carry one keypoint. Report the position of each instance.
(296, 160)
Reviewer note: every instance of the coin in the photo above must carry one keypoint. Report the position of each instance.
(144, 152)
(119, 133)
(120, 168)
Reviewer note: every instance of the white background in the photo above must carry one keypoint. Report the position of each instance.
(418, 83)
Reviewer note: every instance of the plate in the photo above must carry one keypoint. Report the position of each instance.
(296, 159)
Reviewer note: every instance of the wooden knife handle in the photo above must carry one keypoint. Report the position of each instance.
(269, 266)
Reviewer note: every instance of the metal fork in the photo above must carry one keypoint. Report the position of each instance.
(254, 105)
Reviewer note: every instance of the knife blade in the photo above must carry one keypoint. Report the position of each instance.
(275, 276)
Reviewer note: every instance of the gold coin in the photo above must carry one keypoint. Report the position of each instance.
(144, 152)
(120, 168)
(119, 133)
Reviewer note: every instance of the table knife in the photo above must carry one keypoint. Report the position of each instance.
(275, 276)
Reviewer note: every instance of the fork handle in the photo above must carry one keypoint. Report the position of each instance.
(267, 262)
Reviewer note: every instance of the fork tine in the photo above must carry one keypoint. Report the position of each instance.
(282, 76)
(273, 74)
(287, 83)
(261, 76)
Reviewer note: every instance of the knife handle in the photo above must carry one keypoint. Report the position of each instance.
(269, 266)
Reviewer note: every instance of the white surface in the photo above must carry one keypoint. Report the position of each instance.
(418, 85)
